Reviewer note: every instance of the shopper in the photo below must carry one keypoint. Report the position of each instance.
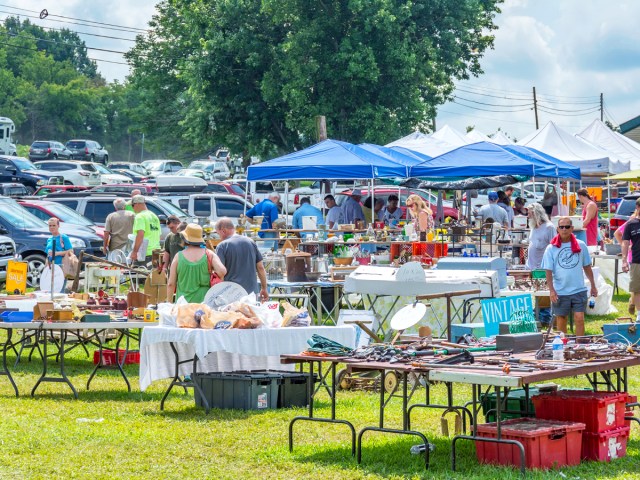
(631, 237)
(268, 210)
(134, 192)
(542, 232)
(306, 210)
(491, 212)
(421, 216)
(241, 258)
(190, 273)
(508, 191)
(564, 261)
(351, 209)
(117, 228)
(589, 217)
(146, 226)
(618, 236)
(392, 213)
(173, 242)
(505, 204)
(334, 214)
(519, 208)
(57, 240)
(549, 199)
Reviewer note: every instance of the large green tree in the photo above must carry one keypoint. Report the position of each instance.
(254, 74)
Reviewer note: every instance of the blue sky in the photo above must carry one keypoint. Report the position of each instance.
(570, 50)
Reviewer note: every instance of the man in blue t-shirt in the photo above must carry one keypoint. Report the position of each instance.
(306, 210)
(564, 260)
(268, 208)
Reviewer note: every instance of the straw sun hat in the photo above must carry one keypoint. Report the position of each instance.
(193, 234)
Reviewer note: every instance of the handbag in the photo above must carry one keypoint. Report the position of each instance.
(214, 279)
(70, 265)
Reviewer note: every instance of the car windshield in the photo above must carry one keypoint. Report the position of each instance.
(23, 164)
(170, 208)
(206, 166)
(18, 216)
(237, 189)
(68, 215)
(40, 145)
(154, 166)
(102, 169)
(75, 144)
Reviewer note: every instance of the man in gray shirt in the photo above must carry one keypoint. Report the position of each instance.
(117, 227)
(242, 259)
(493, 211)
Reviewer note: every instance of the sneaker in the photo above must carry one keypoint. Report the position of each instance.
(632, 308)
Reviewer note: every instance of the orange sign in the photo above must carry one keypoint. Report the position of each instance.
(16, 277)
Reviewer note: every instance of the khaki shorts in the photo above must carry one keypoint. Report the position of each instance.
(634, 278)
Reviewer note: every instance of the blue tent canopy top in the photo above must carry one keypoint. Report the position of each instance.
(328, 160)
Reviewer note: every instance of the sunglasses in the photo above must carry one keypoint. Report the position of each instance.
(565, 227)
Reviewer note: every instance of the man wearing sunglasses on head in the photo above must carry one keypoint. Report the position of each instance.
(564, 260)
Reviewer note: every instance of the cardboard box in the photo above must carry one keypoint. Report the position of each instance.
(40, 310)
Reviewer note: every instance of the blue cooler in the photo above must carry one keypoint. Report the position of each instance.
(476, 263)
(458, 330)
(619, 332)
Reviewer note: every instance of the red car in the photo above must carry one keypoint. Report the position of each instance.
(44, 210)
(225, 187)
(402, 193)
(47, 189)
(145, 188)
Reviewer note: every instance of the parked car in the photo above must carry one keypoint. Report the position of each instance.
(7, 252)
(107, 176)
(74, 173)
(145, 188)
(48, 150)
(210, 205)
(218, 169)
(225, 187)
(21, 170)
(295, 194)
(156, 167)
(624, 211)
(97, 207)
(136, 167)
(13, 190)
(134, 176)
(89, 150)
(30, 235)
(45, 209)
(46, 190)
(402, 193)
(194, 172)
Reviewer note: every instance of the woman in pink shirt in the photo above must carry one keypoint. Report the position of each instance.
(589, 216)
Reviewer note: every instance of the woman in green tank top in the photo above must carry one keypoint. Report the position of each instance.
(189, 275)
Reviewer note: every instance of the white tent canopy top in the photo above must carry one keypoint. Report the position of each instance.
(622, 147)
(475, 136)
(558, 143)
(452, 136)
(501, 139)
(427, 146)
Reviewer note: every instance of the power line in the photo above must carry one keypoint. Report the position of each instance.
(64, 43)
(37, 50)
(483, 118)
(123, 29)
(597, 109)
(526, 94)
(490, 110)
(541, 105)
(77, 32)
(494, 104)
(492, 96)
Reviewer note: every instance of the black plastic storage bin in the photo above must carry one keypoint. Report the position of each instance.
(242, 391)
(294, 389)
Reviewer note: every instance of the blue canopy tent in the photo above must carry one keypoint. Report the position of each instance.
(562, 169)
(328, 160)
(482, 159)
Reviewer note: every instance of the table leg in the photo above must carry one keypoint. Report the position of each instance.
(101, 364)
(5, 369)
(177, 381)
(63, 376)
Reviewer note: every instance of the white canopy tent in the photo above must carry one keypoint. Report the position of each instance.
(451, 135)
(559, 143)
(428, 146)
(501, 139)
(474, 136)
(622, 147)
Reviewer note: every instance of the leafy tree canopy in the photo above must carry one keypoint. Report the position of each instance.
(254, 75)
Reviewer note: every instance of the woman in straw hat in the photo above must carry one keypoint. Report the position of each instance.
(190, 270)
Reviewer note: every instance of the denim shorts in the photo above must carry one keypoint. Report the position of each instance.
(576, 302)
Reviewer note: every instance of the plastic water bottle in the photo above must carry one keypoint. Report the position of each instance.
(558, 349)
(592, 302)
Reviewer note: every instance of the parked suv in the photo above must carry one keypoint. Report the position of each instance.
(97, 207)
(136, 167)
(624, 211)
(87, 150)
(21, 170)
(7, 251)
(156, 167)
(74, 173)
(30, 235)
(48, 150)
(218, 169)
(13, 190)
(210, 205)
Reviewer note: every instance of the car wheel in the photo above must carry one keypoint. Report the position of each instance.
(30, 190)
(35, 265)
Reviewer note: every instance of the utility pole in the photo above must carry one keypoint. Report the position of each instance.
(321, 129)
(535, 107)
(142, 150)
(601, 108)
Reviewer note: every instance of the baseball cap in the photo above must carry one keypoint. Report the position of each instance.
(137, 199)
(493, 196)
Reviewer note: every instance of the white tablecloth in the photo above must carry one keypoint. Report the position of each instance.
(226, 350)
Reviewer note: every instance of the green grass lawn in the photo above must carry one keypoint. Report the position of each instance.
(109, 433)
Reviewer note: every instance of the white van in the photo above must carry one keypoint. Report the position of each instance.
(7, 127)
(218, 169)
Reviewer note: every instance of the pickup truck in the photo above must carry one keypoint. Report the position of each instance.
(7, 251)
